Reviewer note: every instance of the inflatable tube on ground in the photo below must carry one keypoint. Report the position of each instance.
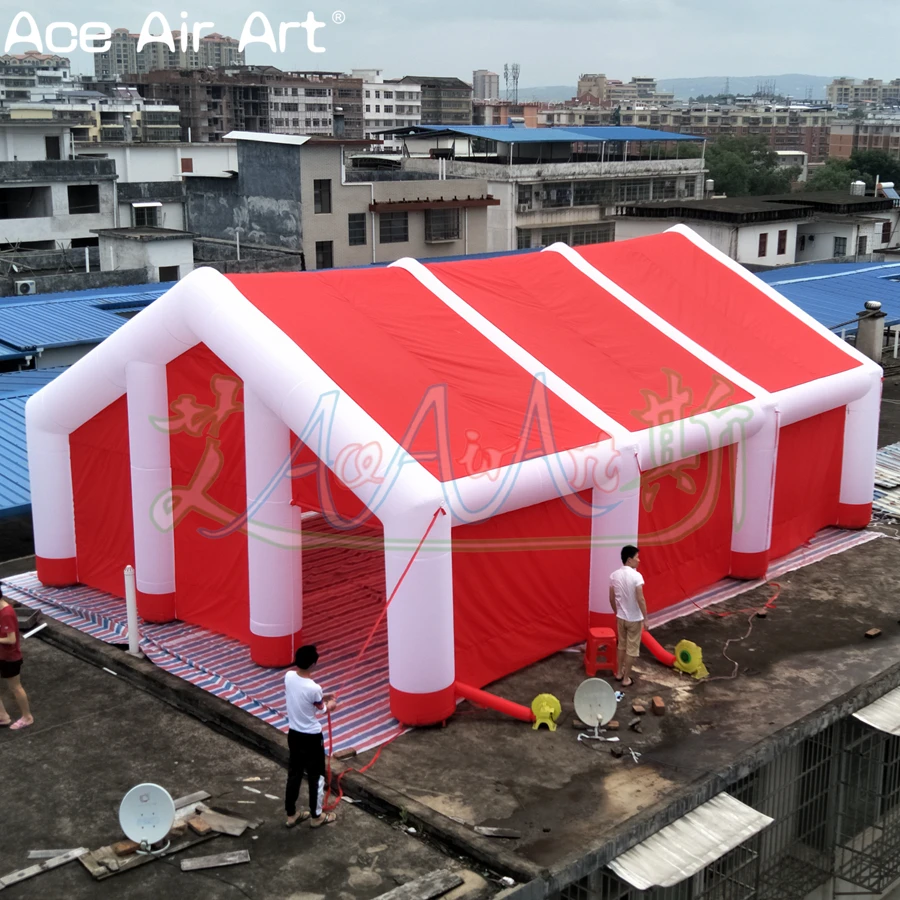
(492, 701)
(657, 650)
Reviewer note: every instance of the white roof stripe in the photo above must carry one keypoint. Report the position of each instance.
(658, 322)
(883, 714)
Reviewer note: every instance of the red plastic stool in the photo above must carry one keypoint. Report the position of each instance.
(600, 652)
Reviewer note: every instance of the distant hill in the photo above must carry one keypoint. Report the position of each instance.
(795, 86)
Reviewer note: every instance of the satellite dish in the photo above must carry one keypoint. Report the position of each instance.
(147, 814)
(595, 704)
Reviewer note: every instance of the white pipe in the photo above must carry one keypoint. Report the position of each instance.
(87, 259)
(134, 635)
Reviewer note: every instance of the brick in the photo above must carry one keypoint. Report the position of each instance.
(125, 848)
(179, 828)
(761, 613)
(658, 706)
(638, 708)
(612, 726)
(579, 725)
(617, 752)
(873, 632)
(198, 826)
(634, 724)
(348, 753)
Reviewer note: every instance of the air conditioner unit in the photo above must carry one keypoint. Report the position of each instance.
(523, 207)
(24, 288)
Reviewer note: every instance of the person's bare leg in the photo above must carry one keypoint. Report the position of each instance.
(626, 671)
(5, 718)
(21, 698)
(620, 658)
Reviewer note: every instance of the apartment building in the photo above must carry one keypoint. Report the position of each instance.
(767, 232)
(445, 101)
(296, 192)
(387, 103)
(785, 127)
(264, 99)
(612, 92)
(869, 92)
(880, 133)
(485, 85)
(33, 76)
(574, 115)
(123, 57)
(555, 184)
(500, 112)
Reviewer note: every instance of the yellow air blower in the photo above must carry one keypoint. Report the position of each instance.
(546, 711)
(689, 658)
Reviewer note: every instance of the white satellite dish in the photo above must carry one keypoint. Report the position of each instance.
(595, 704)
(147, 814)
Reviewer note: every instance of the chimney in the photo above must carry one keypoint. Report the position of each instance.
(870, 331)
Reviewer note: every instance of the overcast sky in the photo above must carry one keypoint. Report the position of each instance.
(552, 40)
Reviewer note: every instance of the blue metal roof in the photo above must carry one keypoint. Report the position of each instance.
(15, 389)
(506, 134)
(835, 292)
(59, 320)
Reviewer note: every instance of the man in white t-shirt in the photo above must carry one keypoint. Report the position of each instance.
(626, 597)
(305, 702)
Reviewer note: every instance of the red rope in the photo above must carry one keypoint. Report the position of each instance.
(769, 604)
(326, 807)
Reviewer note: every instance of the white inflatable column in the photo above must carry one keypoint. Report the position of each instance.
(274, 561)
(52, 503)
(860, 449)
(610, 532)
(151, 477)
(421, 646)
(754, 496)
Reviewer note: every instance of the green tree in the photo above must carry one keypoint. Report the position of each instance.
(876, 164)
(745, 166)
(836, 175)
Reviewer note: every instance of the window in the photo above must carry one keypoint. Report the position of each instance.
(322, 194)
(145, 216)
(168, 273)
(557, 195)
(388, 109)
(593, 234)
(356, 228)
(187, 164)
(801, 243)
(523, 238)
(388, 95)
(51, 143)
(378, 107)
(368, 94)
(368, 107)
(442, 224)
(862, 246)
(324, 254)
(84, 199)
(763, 245)
(393, 227)
(782, 242)
(840, 246)
(886, 233)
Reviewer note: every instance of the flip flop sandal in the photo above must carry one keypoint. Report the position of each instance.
(19, 725)
(301, 818)
(325, 820)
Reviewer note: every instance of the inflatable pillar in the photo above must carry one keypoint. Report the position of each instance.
(151, 476)
(421, 645)
(52, 504)
(273, 541)
(860, 449)
(754, 495)
(610, 532)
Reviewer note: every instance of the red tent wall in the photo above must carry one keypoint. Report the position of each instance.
(210, 572)
(101, 483)
(512, 607)
(808, 479)
(685, 535)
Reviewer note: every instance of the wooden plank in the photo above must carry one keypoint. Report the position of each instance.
(224, 824)
(497, 832)
(196, 797)
(140, 859)
(47, 854)
(224, 811)
(212, 862)
(426, 888)
(45, 866)
(90, 863)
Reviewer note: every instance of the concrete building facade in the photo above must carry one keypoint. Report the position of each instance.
(868, 92)
(387, 104)
(485, 85)
(33, 76)
(445, 101)
(500, 112)
(879, 133)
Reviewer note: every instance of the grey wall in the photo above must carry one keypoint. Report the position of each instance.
(75, 281)
(264, 203)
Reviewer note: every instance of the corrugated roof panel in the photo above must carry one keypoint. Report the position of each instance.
(24, 384)
(15, 490)
(883, 714)
(513, 135)
(55, 324)
(689, 844)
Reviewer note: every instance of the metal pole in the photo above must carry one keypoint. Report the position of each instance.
(134, 635)
(237, 242)
(87, 259)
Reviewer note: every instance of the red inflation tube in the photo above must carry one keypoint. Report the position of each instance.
(656, 649)
(492, 701)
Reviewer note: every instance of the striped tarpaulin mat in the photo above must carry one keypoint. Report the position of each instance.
(339, 615)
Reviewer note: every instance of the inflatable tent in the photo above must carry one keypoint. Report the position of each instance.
(497, 429)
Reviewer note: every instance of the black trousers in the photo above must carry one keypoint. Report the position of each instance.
(307, 755)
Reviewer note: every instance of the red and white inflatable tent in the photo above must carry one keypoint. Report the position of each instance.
(508, 424)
